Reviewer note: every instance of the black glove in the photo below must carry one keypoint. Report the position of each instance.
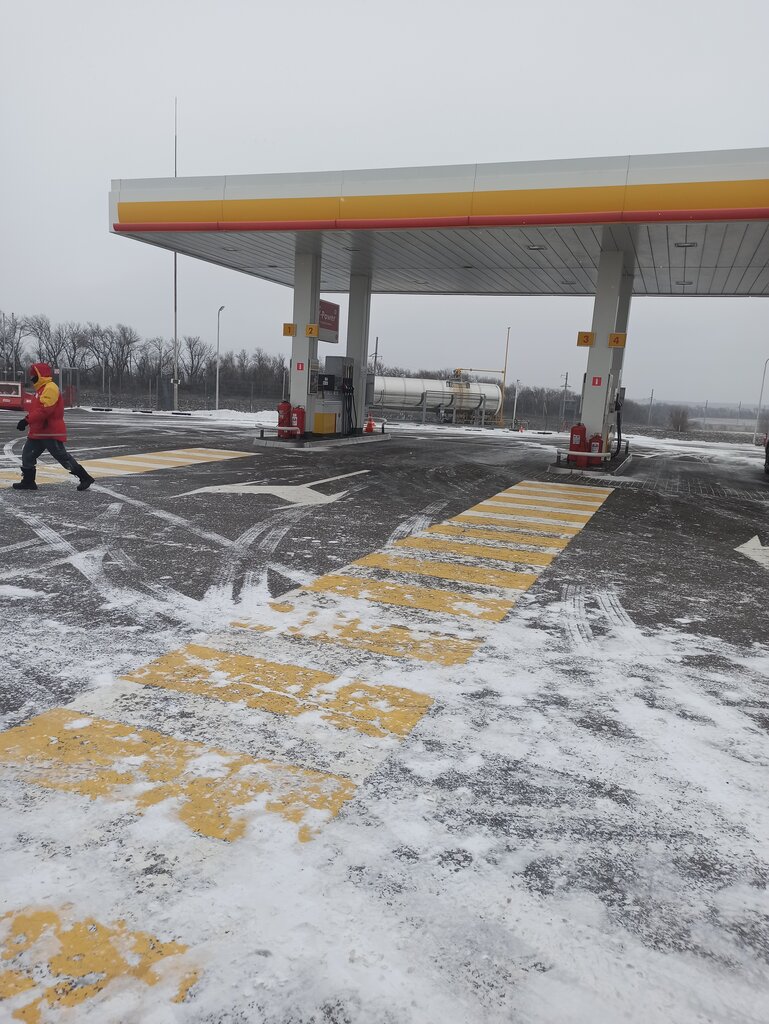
(22, 424)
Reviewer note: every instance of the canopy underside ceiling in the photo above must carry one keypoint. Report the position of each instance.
(682, 258)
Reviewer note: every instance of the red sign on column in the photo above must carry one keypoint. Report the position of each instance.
(300, 366)
(597, 382)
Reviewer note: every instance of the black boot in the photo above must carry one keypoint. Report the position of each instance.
(83, 477)
(27, 482)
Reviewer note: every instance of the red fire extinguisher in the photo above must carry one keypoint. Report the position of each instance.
(578, 443)
(284, 419)
(298, 420)
(595, 445)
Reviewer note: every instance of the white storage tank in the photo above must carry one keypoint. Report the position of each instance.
(405, 393)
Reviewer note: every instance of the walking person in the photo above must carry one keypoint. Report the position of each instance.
(47, 431)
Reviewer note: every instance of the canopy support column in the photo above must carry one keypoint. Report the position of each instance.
(304, 350)
(604, 364)
(358, 318)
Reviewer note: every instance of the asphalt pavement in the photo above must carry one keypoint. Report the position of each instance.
(509, 731)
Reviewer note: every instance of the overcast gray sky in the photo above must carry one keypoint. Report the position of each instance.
(86, 95)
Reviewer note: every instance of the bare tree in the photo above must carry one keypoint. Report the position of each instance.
(196, 356)
(124, 343)
(679, 418)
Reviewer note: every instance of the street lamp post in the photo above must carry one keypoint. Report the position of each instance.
(760, 400)
(515, 401)
(218, 316)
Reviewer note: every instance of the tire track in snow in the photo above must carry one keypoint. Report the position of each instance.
(574, 615)
(620, 622)
(414, 524)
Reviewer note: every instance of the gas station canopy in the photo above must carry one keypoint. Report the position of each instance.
(688, 223)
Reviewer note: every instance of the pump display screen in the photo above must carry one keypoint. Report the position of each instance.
(8, 389)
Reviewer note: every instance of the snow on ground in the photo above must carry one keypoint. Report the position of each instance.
(576, 833)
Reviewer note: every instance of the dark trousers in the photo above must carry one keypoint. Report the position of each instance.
(33, 449)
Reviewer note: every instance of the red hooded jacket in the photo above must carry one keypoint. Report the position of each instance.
(45, 415)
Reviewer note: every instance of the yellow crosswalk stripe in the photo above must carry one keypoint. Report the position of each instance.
(515, 523)
(484, 576)
(554, 498)
(548, 514)
(124, 465)
(99, 758)
(508, 554)
(393, 641)
(428, 599)
(56, 961)
(493, 533)
(568, 488)
(520, 498)
(286, 689)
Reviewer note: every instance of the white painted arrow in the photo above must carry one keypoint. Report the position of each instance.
(296, 494)
(754, 549)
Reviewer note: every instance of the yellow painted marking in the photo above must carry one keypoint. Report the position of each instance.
(534, 513)
(123, 465)
(95, 757)
(445, 602)
(516, 502)
(523, 497)
(286, 690)
(451, 571)
(508, 554)
(57, 963)
(493, 533)
(516, 522)
(393, 641)
(568, 488)
(553, 498)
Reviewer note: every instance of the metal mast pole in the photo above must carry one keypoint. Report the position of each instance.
(651, 399)
(218, 318)
(176, 336)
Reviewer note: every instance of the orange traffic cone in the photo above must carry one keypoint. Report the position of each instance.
(369, 428)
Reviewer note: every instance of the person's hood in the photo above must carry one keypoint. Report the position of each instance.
(44, 374)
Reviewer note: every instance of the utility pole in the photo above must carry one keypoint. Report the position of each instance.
(515, 401)
(376, 353)
(563, 403)
(501, 417)
(651, 400)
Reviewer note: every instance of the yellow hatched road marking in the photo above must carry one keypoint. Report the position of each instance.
(553, 498)
(428, 599)
(95, 757)
(568, 488)
(286, 689)
(488, 577)
(515, 522)
(566, 517)
(393, 641)
(493, 533)
(535, 501)
(57, 961)
(508, 554)
(125, 465)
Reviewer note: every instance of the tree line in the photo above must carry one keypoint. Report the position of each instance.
(119, 357)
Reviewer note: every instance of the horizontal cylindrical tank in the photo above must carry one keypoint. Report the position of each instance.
(413, 392)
